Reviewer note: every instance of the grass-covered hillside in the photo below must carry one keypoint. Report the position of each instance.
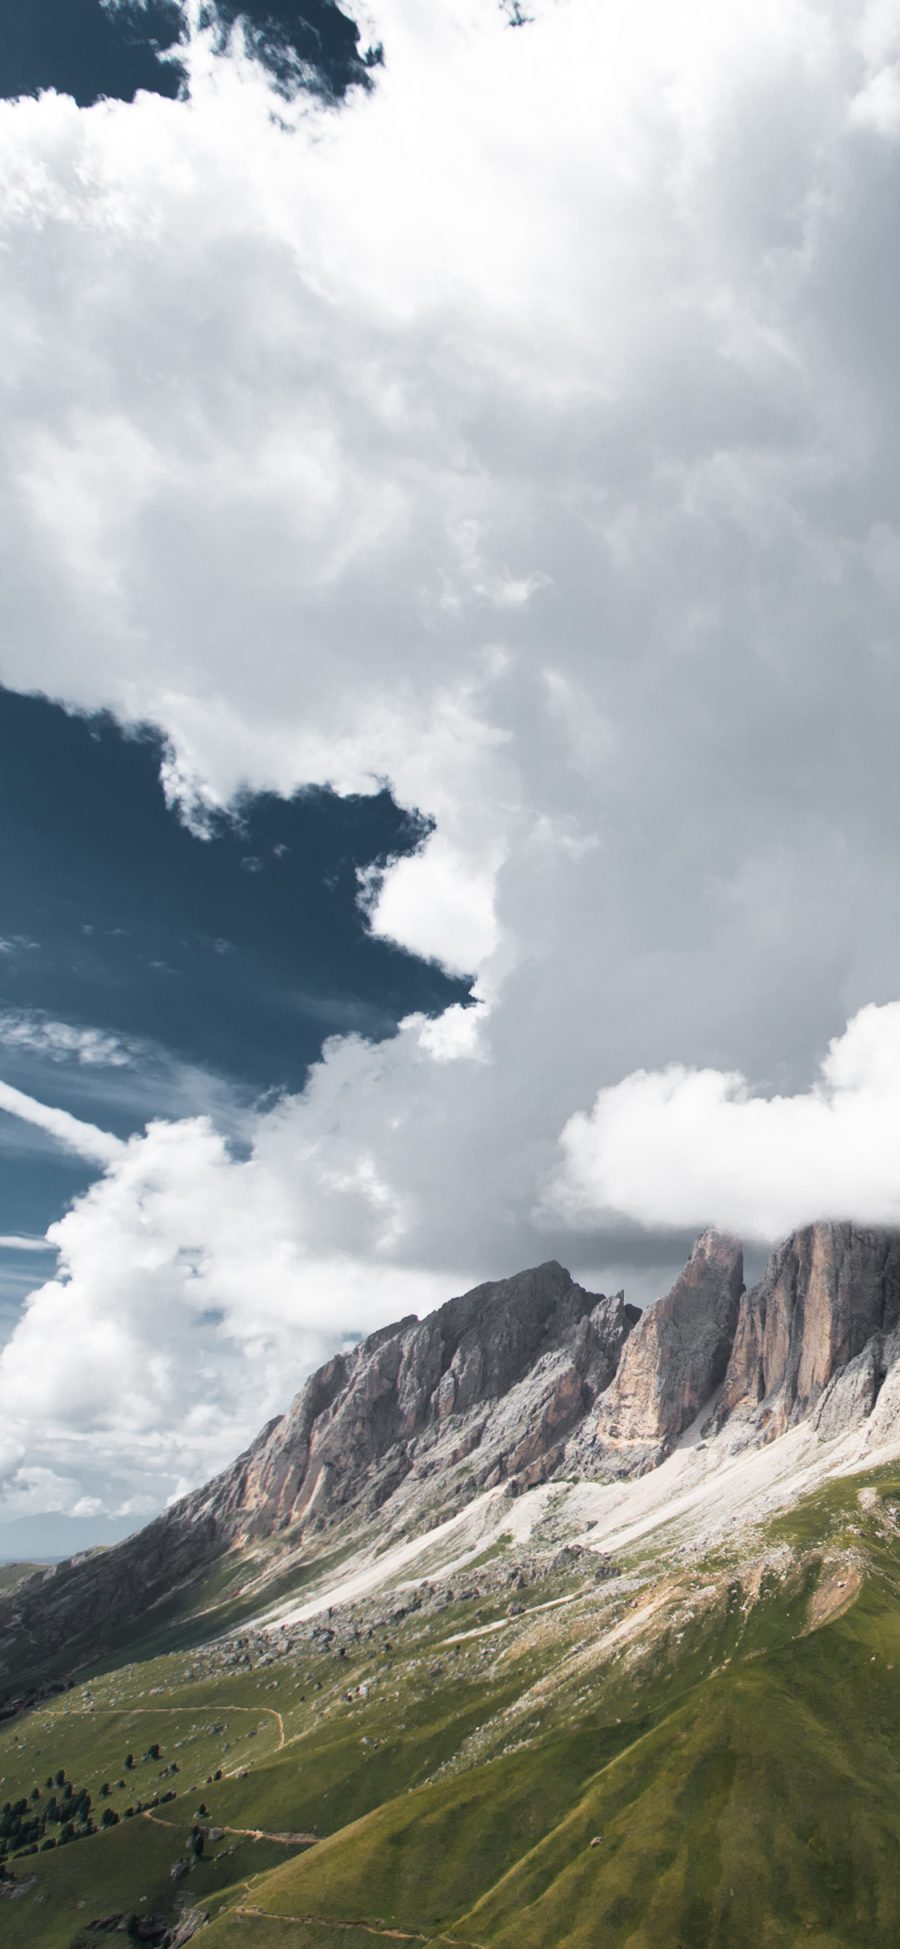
(14, 1574)
(698, 1752)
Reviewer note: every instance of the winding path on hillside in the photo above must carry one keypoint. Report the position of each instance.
(252, 1833)
(151, 1711)
(368, 1928)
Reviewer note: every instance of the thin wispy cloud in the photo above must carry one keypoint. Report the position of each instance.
(17, 944)
(39, 1035)
(85, 1139)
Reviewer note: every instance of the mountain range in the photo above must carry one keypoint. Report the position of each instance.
(645, 1509)
(516, 1382)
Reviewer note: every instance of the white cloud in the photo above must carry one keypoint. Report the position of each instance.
(878, 104)
(456, 1035)
(523, 435)
(193, 1286)
(38, 1491)
(432, 351)
(39, 1035)
(435, 905)
(13, 1242)
(97, 1146)
(686, 1147)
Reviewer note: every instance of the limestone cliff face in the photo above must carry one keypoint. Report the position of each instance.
(419, 1416)
(517, 1381)
(676, 1357)
(493, 1380)
(823, 1296)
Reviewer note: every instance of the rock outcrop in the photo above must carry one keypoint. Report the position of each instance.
(420, 1415)
(852, 1392)
(675, 1358)
(827, 1293)
(517, 1381)
(486, 1387)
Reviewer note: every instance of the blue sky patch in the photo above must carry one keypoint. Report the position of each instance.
(91, 49)
(198, 974)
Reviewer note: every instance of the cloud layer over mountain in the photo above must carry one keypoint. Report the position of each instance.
(523, 433)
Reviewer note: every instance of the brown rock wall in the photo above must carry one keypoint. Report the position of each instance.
(677, 1354)
(825, 1292)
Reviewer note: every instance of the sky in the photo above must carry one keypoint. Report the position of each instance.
(449, 575)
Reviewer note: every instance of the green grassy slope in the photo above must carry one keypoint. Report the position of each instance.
(238, 1586)
(728, 1733)
(12, 1574)
(127, 1871)
(754, 1802)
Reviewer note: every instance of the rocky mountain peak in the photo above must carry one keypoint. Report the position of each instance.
(826, 1291)
(504, 1370)
(676, 1357)
(421, 1415)
(514, 1382)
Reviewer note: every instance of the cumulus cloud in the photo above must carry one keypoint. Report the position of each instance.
(523, 434)
(35, 1490)
(193, 1284)
(679, 1146)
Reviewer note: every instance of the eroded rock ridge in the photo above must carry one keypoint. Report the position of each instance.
(488, 1386)
(828, 1293)
(515, 1382)
(675, 1358)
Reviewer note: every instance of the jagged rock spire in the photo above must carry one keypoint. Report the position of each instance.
(677, 1355)
(518, 1380)
(824, 1293)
